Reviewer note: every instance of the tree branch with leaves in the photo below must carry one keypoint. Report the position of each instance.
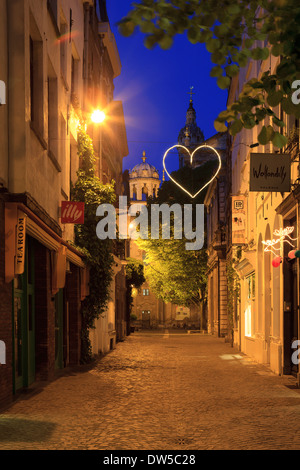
(234, 32)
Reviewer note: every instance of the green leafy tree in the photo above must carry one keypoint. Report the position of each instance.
(92, 192)
(134, 279)
(234, 31)
(175, 274)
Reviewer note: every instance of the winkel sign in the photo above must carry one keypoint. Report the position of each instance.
(270, 172)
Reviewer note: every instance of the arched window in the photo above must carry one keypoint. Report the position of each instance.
(134, 193)
(144, 193)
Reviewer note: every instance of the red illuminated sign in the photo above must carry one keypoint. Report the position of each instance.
(72, 212)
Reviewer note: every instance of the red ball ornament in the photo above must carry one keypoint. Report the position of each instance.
(297, 254)
(291, 254)
(276, 262)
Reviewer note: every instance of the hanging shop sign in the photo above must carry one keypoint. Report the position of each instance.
(20, 244)
(72, 212)
(239, 220)
(270, 172)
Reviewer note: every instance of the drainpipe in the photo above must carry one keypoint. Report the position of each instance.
(4, 91)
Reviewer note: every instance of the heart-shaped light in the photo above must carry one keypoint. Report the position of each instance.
(191, 160)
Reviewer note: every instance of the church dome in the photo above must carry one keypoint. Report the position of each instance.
(143, 170)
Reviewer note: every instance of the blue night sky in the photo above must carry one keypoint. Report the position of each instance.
(154, 86)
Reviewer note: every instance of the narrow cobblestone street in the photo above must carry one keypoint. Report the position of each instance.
(159, 391)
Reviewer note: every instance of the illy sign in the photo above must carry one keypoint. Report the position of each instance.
(72, 212)
(270, 172)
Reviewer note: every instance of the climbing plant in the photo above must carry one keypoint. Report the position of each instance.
(233, 294)
(89, 189)
(134, 279)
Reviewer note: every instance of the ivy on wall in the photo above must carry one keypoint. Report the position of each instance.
(233, 294)
(134, 279)
(92, 192)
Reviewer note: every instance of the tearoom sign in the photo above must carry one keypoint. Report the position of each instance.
(270, 172)
(20, 244)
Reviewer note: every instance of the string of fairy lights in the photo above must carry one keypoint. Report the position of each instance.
(283, 236)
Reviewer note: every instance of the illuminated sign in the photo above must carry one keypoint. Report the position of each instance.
(191, 160)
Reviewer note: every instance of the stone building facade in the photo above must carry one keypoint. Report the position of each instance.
(49, 77)
(216, 217)
(267, 320)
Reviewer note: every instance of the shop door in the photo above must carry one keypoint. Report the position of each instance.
(291, 307)
(30, 320)
(294, 319)
(24, 321)
(146, 319)
(18, 331)
(59, 312)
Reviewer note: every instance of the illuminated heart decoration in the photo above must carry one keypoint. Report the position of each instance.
(191, 160)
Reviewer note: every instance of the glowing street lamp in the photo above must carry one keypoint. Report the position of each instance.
(98, 116)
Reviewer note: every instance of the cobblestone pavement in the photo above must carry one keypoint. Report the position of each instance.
(159, 392)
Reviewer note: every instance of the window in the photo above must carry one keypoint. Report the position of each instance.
(134, 194)
(63, 51)
(250, 302)
(52, 7)
(74, 81)
(52, 112)
(36, 84)
(63, 156)
(144, 193)
(145, 291)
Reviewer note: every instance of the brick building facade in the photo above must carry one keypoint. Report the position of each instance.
(52, 76)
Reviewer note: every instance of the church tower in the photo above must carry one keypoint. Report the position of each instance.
(191, 136)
